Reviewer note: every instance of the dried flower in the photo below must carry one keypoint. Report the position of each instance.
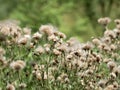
(111, 65)
(47, 29)
(53, 38)
(22, 41)
(56, 52)
(27, 30)
(115, 85)
(5, 31)
(117, 21)
(104, 21)
(110, 33)
(102, 83)
(62, 35)
(37, 35)
(39, 50)
(96, 41)
(87, 46)
(69, 57)
(109, 87)
(10, 87)
(113, 47)
(116, 70)
(17, 65)
(38, 76)
(113, 75)
(22, 85)
(62, 47)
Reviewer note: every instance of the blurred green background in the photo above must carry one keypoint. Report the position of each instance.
(73, 17)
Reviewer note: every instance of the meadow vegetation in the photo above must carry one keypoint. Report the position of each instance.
(46, 60)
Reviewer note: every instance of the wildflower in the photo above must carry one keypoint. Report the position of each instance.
(47, 29)
(104, 21)
(117, 21)
(62, 47)
(116, 70)
(2, 37)
(110, 33)
(62, 35)
(53, 38)
(10, 87)
(37, 35)
(115, 85)
(107, 48)
(82, 58)
(96, 41)
(102, 83)
(117, 32)
(31, 45)
(5, 31)
(113, 75)
(57, 44)
(41, 67)
(17, 65)
(2, 51)
(115, 55)
(87, 46)
(59, 78)
(106, 60)
(111, 65)
(106, 40)
(66, 80)
(118, 27)
(113, 47)
(36, 67)
(39, 50)
(69, 57)
(109, 87)
(56, 52)
(27, 31)
(47, 47)
(28, 37)
(38, 76)
(101, 46)
(22, 85)
(82, 82)
(22, 41)
(63, 78)
(89, 72)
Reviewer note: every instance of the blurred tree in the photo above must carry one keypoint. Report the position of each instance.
(6, 7)
(33, 13)
(74, 17)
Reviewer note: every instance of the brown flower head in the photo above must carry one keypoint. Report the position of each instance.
(104, 21)
(10, 87)
(17, 65)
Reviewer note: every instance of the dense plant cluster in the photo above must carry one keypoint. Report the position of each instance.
(45, 60)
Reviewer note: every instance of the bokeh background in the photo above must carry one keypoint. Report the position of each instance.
(73, 17)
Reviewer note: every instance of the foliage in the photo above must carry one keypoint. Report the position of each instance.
(33, 13)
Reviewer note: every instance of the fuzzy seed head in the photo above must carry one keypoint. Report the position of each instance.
(10, 87)
(17, 65)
